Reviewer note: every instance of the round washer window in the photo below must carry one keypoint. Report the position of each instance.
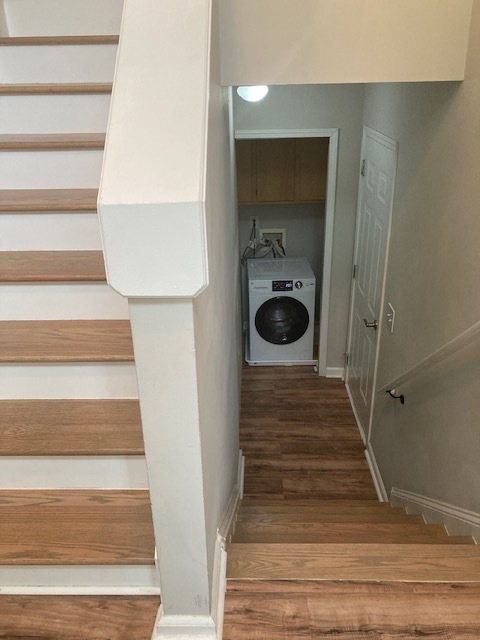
(282, 320)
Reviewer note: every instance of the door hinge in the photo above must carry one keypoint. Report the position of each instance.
(355, 271)
(363, 168)
(347, 358)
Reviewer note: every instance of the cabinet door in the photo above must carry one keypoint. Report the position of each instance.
(311, 161)
(245, 152)
(275, 170)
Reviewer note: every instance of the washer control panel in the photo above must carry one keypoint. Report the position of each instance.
(282, 285)
(298, 284)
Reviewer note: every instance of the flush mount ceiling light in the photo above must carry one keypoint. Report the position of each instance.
(253, 93)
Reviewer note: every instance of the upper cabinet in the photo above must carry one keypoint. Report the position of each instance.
(281, 170)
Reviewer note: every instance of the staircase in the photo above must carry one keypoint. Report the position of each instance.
(362, 568)
(74, 505)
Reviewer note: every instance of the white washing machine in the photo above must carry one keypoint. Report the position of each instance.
(281, 295)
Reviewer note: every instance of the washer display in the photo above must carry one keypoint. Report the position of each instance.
(281, 312)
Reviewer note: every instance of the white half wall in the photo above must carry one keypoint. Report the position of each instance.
(332, 41)
(151, 201)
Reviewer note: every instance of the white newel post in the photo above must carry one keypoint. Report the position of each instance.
(151, 208)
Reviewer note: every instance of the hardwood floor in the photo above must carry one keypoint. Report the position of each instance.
(304, 455)
(299, 437)
(77, 617)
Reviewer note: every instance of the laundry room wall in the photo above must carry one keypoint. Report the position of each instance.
(319, 107)
(304, 226)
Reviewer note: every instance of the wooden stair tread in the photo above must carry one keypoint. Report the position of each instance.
(51, 141)
(364, 562)
(65, 341)
(13, 41)
(331, 532)
(55, 88)
(78, 617)
(353, 612)
(51, 266)
(52, 200)
(70, 427)
(78, 527)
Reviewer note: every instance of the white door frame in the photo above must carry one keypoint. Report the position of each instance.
(332, 134)
(392, 144)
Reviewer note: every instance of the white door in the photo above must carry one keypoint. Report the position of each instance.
(379, 160)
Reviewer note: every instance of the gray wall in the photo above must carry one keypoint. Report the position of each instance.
(317, 107)
(431, 445)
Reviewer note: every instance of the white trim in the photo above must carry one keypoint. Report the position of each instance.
(240, 473)
(357, 419)
(79, 580)
(335, 372)
(183, 627)
(224, 532)
(457, 521)
(333, 135)
(376, 475)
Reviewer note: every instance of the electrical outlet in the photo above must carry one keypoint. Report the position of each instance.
(274, 234)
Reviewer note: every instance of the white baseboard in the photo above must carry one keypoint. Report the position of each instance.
(357, 419)
(458, 521)
(376, 475)
(169, 627)
(224, 534)
(335, 372)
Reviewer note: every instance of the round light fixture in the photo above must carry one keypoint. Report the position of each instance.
(253, 93)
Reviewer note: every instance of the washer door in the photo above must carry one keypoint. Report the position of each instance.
(282, 320)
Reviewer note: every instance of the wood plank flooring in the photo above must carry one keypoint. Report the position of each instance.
(350, 611)
(77, 617)
(52, 266)
(78, 527)
(65, 341)
(303, 451)
(300, 438)
(73, 88)
(71, 427)
(51, 200)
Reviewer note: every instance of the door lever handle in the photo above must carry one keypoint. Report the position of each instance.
(370, 325)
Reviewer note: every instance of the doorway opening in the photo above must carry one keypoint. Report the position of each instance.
(282, 198)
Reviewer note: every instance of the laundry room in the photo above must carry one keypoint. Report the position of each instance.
(281, 187)
(292, 204)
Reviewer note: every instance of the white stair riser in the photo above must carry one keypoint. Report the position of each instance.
(73, 472)
(76, 380)
(50, 169)
(54, 64)
(34, 18)
(49, 232)
(80, 580)
(69, 301)
(54, 113)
